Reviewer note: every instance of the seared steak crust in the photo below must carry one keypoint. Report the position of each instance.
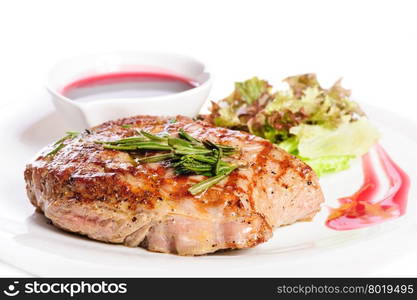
(105, 195)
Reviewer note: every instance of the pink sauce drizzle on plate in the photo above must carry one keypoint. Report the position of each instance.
(362, 209)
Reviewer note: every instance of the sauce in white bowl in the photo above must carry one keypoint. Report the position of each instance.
(91, 89)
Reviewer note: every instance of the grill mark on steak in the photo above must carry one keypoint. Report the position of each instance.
(103, 194)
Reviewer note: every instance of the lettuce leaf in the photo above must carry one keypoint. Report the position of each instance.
(321, 165)
(324, 163)
(308, 103)
(290, 145)
(329, 164)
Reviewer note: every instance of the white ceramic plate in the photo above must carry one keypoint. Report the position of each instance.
(28, 242)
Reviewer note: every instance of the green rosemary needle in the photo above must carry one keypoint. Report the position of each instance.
(56, 149)
(188, 137)
(155, 158)
(204, 185)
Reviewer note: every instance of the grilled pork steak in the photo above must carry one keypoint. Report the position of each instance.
(104, 194)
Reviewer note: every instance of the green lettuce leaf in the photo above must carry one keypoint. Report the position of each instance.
(251, 90)
(329, 164)
(354, 138)
(323, 127)
(321, 165)
(227, 117)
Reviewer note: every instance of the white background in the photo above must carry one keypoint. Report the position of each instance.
(372, 44)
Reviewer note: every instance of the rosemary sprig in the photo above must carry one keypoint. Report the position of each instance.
(186, 154)
(59, 144)
(188, 137)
